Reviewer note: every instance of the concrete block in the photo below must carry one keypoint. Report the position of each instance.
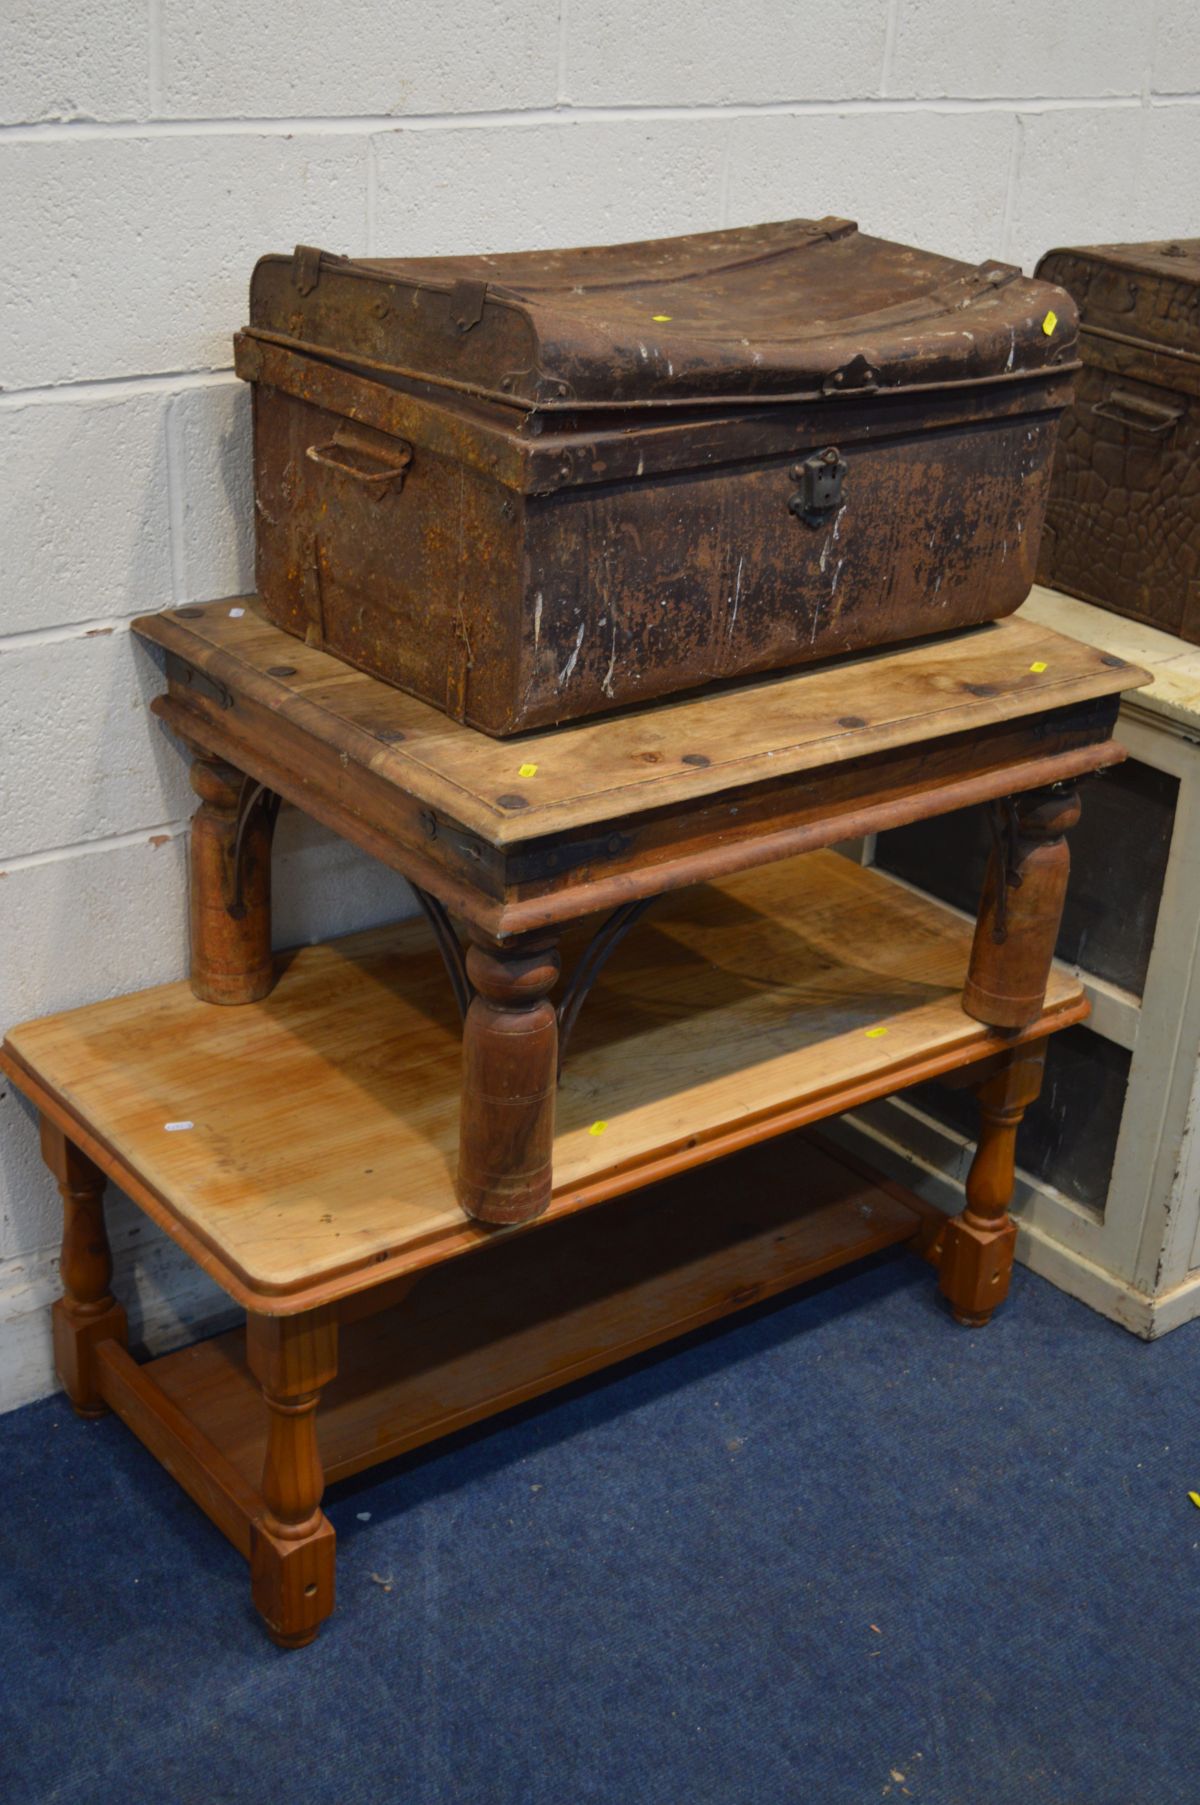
(938, 180)
(83, 926)
(129, 256)
(1017, 48)
(519, 187)
(30, 1210)
(84, 759)
(210, 427)
(323, 886)
(28, 1285)
(1058, 198)
(84, 516)
(705, 52)
(363, 57)
(77, 59)
(1170, 183)
(91, 925)
(1176, 63)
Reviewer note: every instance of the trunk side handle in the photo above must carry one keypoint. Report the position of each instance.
(1134, 411)
(377, 471)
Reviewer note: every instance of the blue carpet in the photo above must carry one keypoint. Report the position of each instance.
(833, 1552)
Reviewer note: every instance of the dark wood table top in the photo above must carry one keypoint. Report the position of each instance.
(517, 833)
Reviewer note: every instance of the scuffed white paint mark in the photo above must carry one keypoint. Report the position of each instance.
(564, 676)
(736, 597)
(837, 571)
(641, 462)
(537, 620)
(606, 686)
(829, 545)
(816, 622)
(1012, 348)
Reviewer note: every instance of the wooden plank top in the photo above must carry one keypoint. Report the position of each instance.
(509, 791)
(303, 1147)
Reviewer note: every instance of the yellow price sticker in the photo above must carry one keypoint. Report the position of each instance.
(1049, 323)
(660, 319)
(874, 1033)
(1039, 667)
(527, 771)
(597, 1127)
(1195, 1498)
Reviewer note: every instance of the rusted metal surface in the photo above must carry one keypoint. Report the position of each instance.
(254, 796)
(798, 308)
(449, 945)
(534, 488)
(1123, 526)
(592, 960)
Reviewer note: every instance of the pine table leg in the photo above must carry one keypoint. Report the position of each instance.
(293, 1544)
(976, 1262)
(86, 1313)
(229, 885)
(1021, 908)
(510, 1060)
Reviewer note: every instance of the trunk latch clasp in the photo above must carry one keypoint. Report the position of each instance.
(820, 493)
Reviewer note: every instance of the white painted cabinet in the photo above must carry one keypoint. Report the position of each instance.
(1109, 1198)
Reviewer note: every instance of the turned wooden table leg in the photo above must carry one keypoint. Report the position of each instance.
(510, 1058)
(976, 1262)
(1021, 907)
(86, 1313)
(230, 885)
(293, 1544)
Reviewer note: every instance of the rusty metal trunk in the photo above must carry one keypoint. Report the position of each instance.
(1123, 526)
(530, 488)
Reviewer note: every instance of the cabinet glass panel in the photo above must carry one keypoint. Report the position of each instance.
(1118, 863)
(1069, 1136)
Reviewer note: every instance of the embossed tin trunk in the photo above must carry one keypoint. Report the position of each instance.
(1123, 527)
(534, 487)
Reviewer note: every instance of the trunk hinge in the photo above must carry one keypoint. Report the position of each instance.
(466, 304)
(306, 267)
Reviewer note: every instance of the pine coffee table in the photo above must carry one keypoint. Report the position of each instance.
(329, 1132)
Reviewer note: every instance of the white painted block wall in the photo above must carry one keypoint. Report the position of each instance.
(150, 151)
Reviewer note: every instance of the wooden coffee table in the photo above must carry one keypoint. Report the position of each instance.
(323, 1135)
